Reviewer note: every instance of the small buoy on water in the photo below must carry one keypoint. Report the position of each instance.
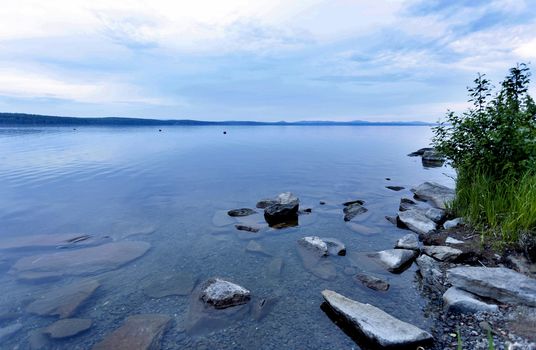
(225, 132)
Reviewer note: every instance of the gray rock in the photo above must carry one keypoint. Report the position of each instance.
(170, 284)
(87, 261)
(457, 300)
(353, 210)
(396, 259)
(416, 221)
(357, 201)
(287, 198)
(315, 244)
(454, 241)
(68, 327)
(497, 283)
(372, 282)
(284, 210)
(395, 188)
(63, 301)
(247, 228)
(241, 212)
(391, 219)
(409, 241)
(442, 253)
(420, 152)
(435, 214)
(452, 223)
(316, 263)
(139, 332)
(8, 331)
(437, 194)
(265, 203)
(223, 294)
(406, 204)
(430, 271)
(432, 158)
(375, 324)
(335, 247)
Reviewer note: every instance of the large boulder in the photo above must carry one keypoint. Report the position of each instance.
(435, 193)
(499, 283)
(138, 332)
(416, 221)
(222, 294)
(284, 209)
(395, 260)
(374, 323)
(457, 300)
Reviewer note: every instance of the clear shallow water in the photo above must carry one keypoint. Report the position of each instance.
(172, 189)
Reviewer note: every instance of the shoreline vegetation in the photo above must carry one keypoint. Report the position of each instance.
(23, 119)
(492, 146)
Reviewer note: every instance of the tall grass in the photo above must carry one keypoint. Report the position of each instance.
(502, 207)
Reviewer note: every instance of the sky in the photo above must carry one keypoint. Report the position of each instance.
(266, 60)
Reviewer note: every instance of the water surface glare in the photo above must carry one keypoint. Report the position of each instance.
(172, 189)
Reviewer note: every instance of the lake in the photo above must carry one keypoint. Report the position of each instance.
(64, 191)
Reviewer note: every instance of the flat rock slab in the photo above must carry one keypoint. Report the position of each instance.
(457, 300)
(8, 331)
(409, 241)
(499, 283)
(372, 282)
(442, 253)
(63, 301)
(175, 284)
(222, 294)
(416, 221)
(352, 210)
(316, 263)
(275, 267)
(68, 327)
(85, 261)
(256, 247)
(435, 193)
(241, 212)
(44, 241)
(374, 323)
(139, 332)
(395, 259)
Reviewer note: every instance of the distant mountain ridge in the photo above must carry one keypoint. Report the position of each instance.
(23, 119)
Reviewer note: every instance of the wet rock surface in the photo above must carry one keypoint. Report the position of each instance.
(139, 332)
(375, 324)
(435, 193)
(314, 244)
(247, 228)
(396, 260)
(353, 209)
(222, 294)
(395, 188)
(285, 209)
(46, 241)
(68, 327)
(409, 241)
(241, 212)
(63, 301)
(416, 221)
(84, 261)
(372, 282)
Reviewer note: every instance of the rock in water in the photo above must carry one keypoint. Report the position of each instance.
(68, 327)
(265, 203)
(442, 253)
(406, 204)
(438, 194)
(409, 241)
(172, 284)
(256, 247)
(435, 214)
(353, 210)
(223, 294)
(8, 331)
(241, 212)
(499, 283)
(372, 282)
(284, 210)
(287, 198)
(63, 301)
(395, 188)
(85, 261)
(396, 260)
(139, 332)
(457, 300)
(45, 241)
(335, 247)
(375, 324)
(432, 159)
(416, 221)
(314, 244)
(420, 152)
(247, 228)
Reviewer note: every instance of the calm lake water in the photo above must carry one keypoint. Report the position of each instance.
(172, 189)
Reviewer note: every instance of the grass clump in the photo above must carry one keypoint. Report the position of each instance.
(492, 146)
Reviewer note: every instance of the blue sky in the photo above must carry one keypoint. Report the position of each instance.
(269, 60)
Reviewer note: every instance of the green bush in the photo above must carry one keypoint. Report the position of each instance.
(493, 148)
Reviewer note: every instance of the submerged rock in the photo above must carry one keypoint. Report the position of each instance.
(241, 212)
(316, 263)
(409, 241)
(372, 282)
(395, 188)
(8, 331)
(68, 327)
(499, 283)
(256, 247)
(314, 244)
(222, 294)
(442, 253)
(85, 261)
(247, 228)
(396, 260)
(261, 308)
(416, 221)
(335, 247)
(63, 301)
(275, 267)
(437, 194)
(406, 204)
(172, 284)
(354, 209)
(457, 300)
(139, 332)
(45, 241)
(375, 324)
